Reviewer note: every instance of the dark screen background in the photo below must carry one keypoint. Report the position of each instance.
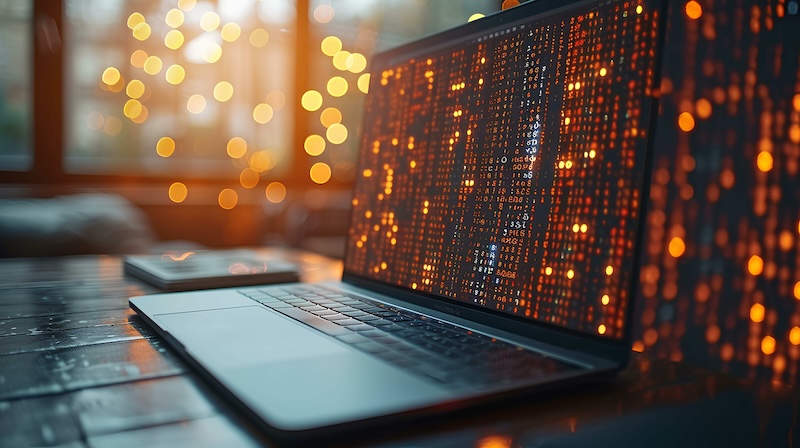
(506, 171)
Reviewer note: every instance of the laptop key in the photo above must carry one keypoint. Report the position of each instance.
(313, 321)
(371, 347)
(387, 340)
(300, 304)
(312, 308)
(276, 305)
(372, 333)
(379, 323)
(352, 339)
(390, 356)
(347, 322)
(362, 306)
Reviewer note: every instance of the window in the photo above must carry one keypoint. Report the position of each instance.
(15, 84)
(179, 88)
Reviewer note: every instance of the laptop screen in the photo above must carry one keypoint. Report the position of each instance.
(504, 167)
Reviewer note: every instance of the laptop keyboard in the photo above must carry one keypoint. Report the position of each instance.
(426, 346)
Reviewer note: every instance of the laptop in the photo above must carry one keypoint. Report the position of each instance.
(493, 247)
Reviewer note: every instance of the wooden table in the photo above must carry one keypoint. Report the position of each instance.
(79, 368)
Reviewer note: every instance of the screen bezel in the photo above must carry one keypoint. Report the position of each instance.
(617, 350)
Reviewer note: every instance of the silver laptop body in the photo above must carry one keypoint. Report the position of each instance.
(493, 246)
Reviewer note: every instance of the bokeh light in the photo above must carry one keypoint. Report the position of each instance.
(259, 38)
(340, 60)
(320, 173)
(323, 13)
(142, 117)
(336, 134)
(152, 65)
(363, 83)
(138, 58)
(314, 145)
(116, 88)
(237, 147)
(356, 63)
(212, 52)
(676, 247)
(165, 146)
(135, 89)
(768, 345)
(259, 161)
(764, 161)
(276, 192)
(249, 178)
(757, 312)
(174, 18)
(794, 336)
(173, 40)
(686, 122)
(178, 192)
(230, 32)
(228, 199)
(132, 108)
(141, 31)
(111, 76)
(135, 19)
(209, 21)
(330, 116)
(755, 265)
(186, 5)
(694, 10)
(262, 113)
(331, 45)
(337, 86)
(175, 74)
(311, 100)
(196, 104)
(223, 91)
(703, 108)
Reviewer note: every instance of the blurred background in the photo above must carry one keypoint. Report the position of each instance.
(125, 124)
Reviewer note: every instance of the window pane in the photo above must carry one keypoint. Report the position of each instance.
(343, 36)
(15, 84)
(180, 88)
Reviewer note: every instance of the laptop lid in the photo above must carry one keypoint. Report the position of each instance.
(504, 166)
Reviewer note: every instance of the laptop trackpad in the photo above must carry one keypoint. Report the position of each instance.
(239, 337)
